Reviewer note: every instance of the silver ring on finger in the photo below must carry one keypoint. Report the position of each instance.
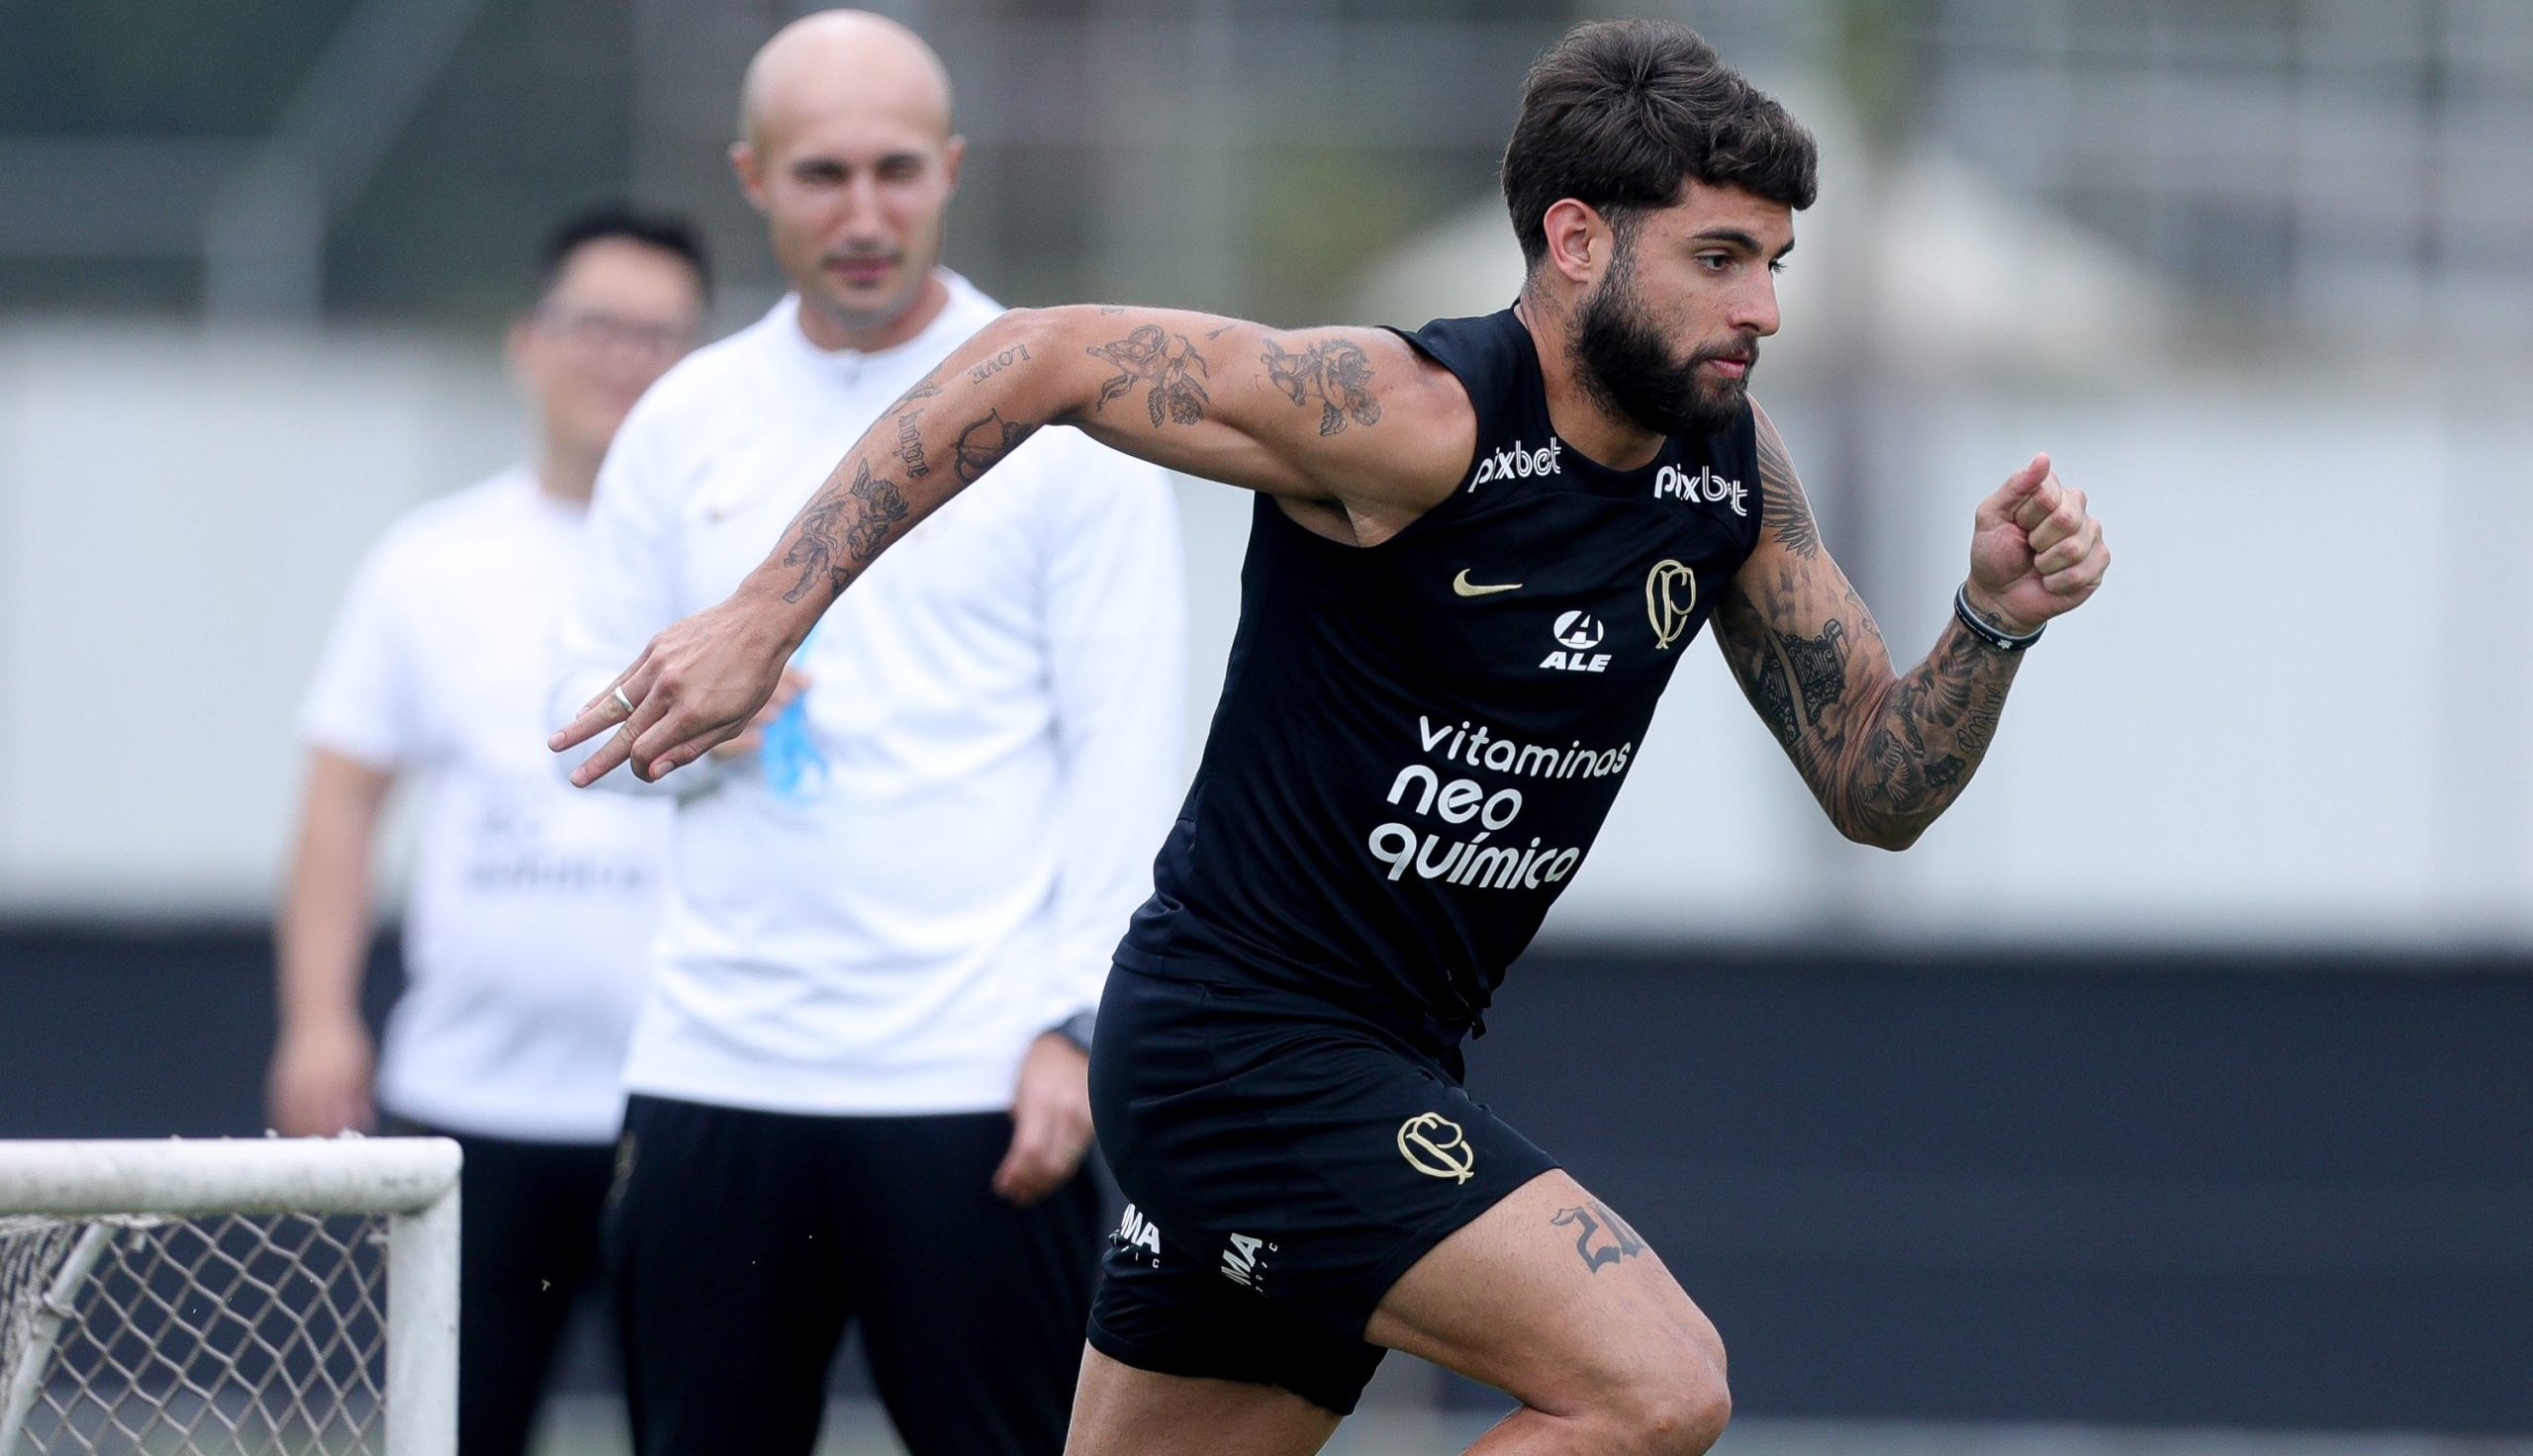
(617, 694)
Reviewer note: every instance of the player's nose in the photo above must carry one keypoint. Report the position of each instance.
(1755, 310)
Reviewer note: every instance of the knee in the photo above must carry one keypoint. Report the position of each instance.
(1678, 1410)
(1692, 1420)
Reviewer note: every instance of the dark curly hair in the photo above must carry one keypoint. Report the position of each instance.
(1621, 114)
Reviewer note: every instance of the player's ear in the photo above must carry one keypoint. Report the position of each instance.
(743, 161)
(953, 152)
(1578, 239)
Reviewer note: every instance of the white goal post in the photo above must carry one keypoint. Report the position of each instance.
(212, 1295)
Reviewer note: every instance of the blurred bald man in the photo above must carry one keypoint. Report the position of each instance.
(859, 1086)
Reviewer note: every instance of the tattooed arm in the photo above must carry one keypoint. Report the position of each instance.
(1296, 413)
(1354, 430)
(1887, 753)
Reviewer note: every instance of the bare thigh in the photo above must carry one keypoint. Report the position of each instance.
(1553, 1299)
(1119, 1410)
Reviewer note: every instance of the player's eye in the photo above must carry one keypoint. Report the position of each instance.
(1777, 265)
(1715, 262)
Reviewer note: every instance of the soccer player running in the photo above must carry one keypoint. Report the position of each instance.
(1478, 552)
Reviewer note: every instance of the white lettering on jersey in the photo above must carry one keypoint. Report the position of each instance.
(1706, 486)
(1513, 461)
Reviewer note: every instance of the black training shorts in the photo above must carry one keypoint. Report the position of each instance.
(1286, 1162)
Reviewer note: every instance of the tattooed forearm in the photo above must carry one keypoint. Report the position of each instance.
(1820, 667)
(1600, 1237)
(881, 508)
(840, 531)
(985, 441)
(1336, 373)
(1935, 728)
(910, 445)
(1747, 646)
(922, 389)
(989, 367)
(910, 416)
(814, 542)
(1168, 362)
(1884, 755)
(914, 457)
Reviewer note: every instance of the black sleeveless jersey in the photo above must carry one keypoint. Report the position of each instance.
(1418, 741)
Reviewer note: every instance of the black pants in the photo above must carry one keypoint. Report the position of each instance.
(741, 1243)
(527, 1248)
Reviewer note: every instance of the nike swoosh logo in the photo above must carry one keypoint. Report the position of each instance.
(1461, 585)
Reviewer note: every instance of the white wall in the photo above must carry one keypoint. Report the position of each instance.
(2293, 711)
(179, 513)
(2291, 716)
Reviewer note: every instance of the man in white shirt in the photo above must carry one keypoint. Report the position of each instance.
(532, 907)
(859, 1084)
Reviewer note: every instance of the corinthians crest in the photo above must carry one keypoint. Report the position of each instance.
(1670, 599)
(1434, 1146)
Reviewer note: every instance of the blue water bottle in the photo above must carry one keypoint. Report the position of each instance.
(794, 770)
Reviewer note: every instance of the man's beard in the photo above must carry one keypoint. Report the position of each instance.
(1626, 366)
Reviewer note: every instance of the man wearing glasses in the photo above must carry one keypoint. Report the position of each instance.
(532, 907)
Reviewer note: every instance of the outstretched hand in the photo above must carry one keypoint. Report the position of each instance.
(2035, 552)
(699, 682)
(748, 741)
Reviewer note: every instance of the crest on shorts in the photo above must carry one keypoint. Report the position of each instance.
(1432, 1145)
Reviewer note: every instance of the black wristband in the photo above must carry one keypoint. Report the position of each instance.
(1989, 632)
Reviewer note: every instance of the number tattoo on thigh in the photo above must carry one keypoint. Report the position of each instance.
(1601, 1237)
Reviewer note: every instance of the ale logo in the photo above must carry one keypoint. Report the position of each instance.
(1578, 631)
(1432, 1145)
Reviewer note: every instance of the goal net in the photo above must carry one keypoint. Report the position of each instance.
(296, 1297)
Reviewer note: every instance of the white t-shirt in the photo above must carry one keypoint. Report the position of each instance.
(528, 924)
(993, 738)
